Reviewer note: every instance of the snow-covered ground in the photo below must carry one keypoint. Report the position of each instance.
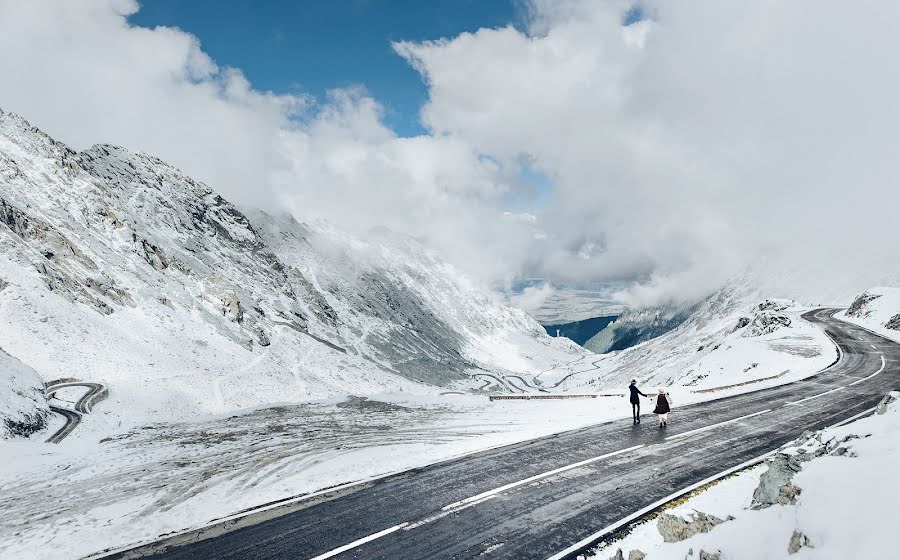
(846, 507)
(166, 476)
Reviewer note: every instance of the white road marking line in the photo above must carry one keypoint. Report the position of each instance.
(359, 542)
(445, 513)
(883, 364)
(793, 403)
(873, 347)
(530, 479)
(713, 426)
(854, 417)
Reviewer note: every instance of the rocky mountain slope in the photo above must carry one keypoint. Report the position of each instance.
(636, 326)
(23, 408)
(120, 268)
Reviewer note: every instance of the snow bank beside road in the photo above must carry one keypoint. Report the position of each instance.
(842, 504)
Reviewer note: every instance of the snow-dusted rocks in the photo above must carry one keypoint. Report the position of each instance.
(798, 541)
(23, 407)
(632, 555)
(776, 485)
(678, 525)
(861, 308)
(768, 317)
(886, 402)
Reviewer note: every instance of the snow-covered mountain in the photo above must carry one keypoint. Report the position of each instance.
(639, 325)
(733, 336)
(119, 268)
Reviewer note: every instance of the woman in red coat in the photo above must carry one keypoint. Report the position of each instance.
(663, 407)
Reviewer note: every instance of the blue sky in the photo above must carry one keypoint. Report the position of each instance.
(314, 45)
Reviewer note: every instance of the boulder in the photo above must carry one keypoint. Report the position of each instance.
(798, 541)
(636, 555)
(893, 323)
(775, 485)
(675, 527)
(859, 307)
(766, 322)
(618, 555)
(886, 401)
(716, 555)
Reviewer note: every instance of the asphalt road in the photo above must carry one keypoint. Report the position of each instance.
(537, 499)
(95, 393)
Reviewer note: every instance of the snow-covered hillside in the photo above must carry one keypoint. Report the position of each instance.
(639, 325)
(119, 268)
(23, 408)
(734, 336)
(878, 310)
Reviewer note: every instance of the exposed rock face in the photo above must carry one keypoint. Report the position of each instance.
(636, 555)
(705, 555)
(858, 307)
(677, 527)
(618, 555)
(798, 541)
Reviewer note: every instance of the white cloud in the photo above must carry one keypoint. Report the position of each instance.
(718, 135)
(680, 150)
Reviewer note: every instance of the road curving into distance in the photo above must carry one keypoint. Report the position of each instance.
(95, 393)
(551, 497)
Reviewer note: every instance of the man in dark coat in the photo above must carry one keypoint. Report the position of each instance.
(636, 401)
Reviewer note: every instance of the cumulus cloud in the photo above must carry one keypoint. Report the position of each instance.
(685, 147)
(680, 150)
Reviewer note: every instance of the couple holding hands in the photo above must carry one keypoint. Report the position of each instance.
(663, 404)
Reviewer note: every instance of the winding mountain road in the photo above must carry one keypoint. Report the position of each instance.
(95, 393)
(549, 498)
